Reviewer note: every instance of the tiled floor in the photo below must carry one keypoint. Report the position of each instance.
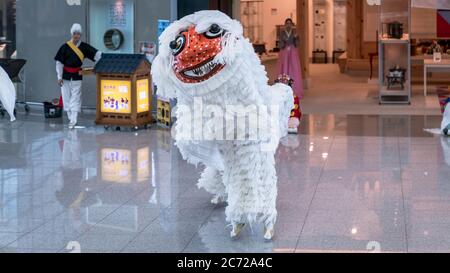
(346, 183)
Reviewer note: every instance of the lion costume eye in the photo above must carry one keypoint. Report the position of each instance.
(214, 31)
(177, 45)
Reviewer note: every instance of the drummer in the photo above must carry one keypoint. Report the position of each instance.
(69, 60)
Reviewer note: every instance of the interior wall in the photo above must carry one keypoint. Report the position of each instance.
(44, 25)
(8, 26)
(303, 17)
(371, 22)
(330, 27)
(354, 29)
(275, 14)
(225, 6)
(236, 9)
(310, 28)
(340, 25)
(371, 25)
(423, 23)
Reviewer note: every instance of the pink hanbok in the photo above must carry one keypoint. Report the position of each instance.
(289, 61)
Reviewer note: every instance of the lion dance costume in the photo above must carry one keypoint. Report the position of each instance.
(205, 58)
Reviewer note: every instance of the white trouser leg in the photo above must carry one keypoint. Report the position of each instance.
(74, 117)
(66, 95)
(71, 93)
(75, 100)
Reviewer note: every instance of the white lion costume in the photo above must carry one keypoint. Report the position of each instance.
(206, 63)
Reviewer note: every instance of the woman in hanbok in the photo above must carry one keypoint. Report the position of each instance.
(289, 60)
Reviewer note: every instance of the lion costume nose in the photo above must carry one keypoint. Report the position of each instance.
(197, 50)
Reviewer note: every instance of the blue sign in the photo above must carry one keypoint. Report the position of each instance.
(162, 25)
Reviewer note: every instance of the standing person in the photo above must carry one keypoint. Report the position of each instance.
(435, 48)
(69, 60)
(289, 60)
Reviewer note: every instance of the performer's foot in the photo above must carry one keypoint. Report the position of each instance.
(269, 232)
(293, 125)
(293, 130)
(72, 125)
(217, 199)
(237, 229)
(447, 130)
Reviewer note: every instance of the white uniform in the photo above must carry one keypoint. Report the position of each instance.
(71, 92)
(72, 81)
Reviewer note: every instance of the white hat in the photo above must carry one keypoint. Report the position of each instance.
(76, 28)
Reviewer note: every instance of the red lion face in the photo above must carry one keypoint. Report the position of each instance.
(194, 54)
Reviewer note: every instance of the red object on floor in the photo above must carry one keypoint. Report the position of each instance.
(296, 112)
(61, 104)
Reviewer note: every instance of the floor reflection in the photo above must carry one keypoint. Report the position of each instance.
(344, 183)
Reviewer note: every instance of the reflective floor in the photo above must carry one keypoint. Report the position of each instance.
(346, 183)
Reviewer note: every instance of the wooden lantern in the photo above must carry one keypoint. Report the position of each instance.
(124, 85)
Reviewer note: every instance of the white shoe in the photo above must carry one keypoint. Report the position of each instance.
(447, 130)
(72, 125)
(237, 229)
(217, 199)
(269, 232)
(293, 130)
(293, 125)
(74, 118)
